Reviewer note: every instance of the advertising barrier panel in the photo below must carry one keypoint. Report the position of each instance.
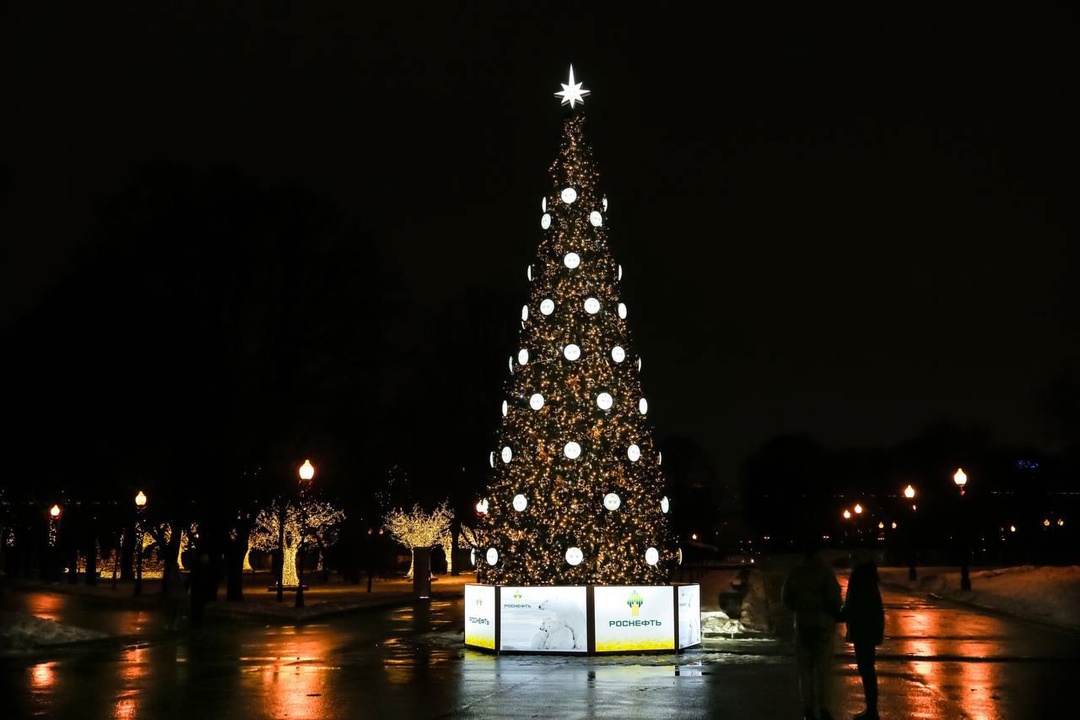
(689, 615)
(543, 619)
(480, 616)
(634, 618)
(583, 619)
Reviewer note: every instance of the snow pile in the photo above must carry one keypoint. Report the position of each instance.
(19, 631)
(1048, 594)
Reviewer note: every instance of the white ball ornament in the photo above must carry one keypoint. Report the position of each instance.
(622, 310)
(665, 504)
(620, 273)
(643, 406)
(592, 306)
(492, 556)
(572, 352)
(523, 356)
(571, 260)
(536, 401)
(605, 203)
(572, 450)
(528, 272)
(520, 503)
(547, 306)
(634, 453)
(568, 195)
(543, 204)
(507, 454)
(604, 401)
(652, 556)
(574, 556)
(618, 354)
(491, 458)
(612, 501)
(678, 555)
(545, 221)
(524, 313)
(505, 408)
(596, 219)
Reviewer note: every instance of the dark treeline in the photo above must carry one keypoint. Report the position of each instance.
(217, 331)
(214, 333)
(1019, 504)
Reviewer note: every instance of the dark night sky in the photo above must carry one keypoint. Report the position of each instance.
(847, 222)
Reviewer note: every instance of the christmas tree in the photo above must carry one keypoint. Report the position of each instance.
(577, 493)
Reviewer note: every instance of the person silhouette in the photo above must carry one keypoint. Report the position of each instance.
(812, 592)
(864, 614)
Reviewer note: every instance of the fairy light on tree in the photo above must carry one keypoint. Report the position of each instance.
(321, 524)
(418, 528)
(577, 494)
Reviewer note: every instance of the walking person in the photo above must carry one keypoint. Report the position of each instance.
(864, 614)
(812, 592)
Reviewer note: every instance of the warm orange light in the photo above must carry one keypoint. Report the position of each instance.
(307, 471)
(847, 514)
(1012, 528)
(54, 511)
(909, 492)
(1046, 523)
(140, 500)
(960, 478)
(858, 509)
(1061, 523)
(693, 536)
(881, 526)
(894, 526)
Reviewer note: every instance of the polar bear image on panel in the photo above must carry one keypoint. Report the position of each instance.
(565, 624)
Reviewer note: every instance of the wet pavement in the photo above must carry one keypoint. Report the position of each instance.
(406, 660)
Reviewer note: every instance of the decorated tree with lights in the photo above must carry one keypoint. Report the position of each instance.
(577, 495)
(317, 520)
(418, 528)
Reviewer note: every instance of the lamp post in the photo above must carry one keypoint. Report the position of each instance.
(909, 493)
(307, 472)
(960, 478)
(140, 503)
(50, 560)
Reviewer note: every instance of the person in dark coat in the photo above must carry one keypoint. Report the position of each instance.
(864, 614)
(812, 592)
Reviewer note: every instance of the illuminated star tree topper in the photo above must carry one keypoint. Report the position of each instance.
(572, 92)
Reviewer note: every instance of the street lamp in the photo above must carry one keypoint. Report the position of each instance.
(307, 472)
(909, 493)
(54, 521)
(140, 503)
(960, 478)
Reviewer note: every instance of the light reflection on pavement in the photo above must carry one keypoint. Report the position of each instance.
(938, 661)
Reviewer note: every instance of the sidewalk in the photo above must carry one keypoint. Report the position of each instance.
(260, 597)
